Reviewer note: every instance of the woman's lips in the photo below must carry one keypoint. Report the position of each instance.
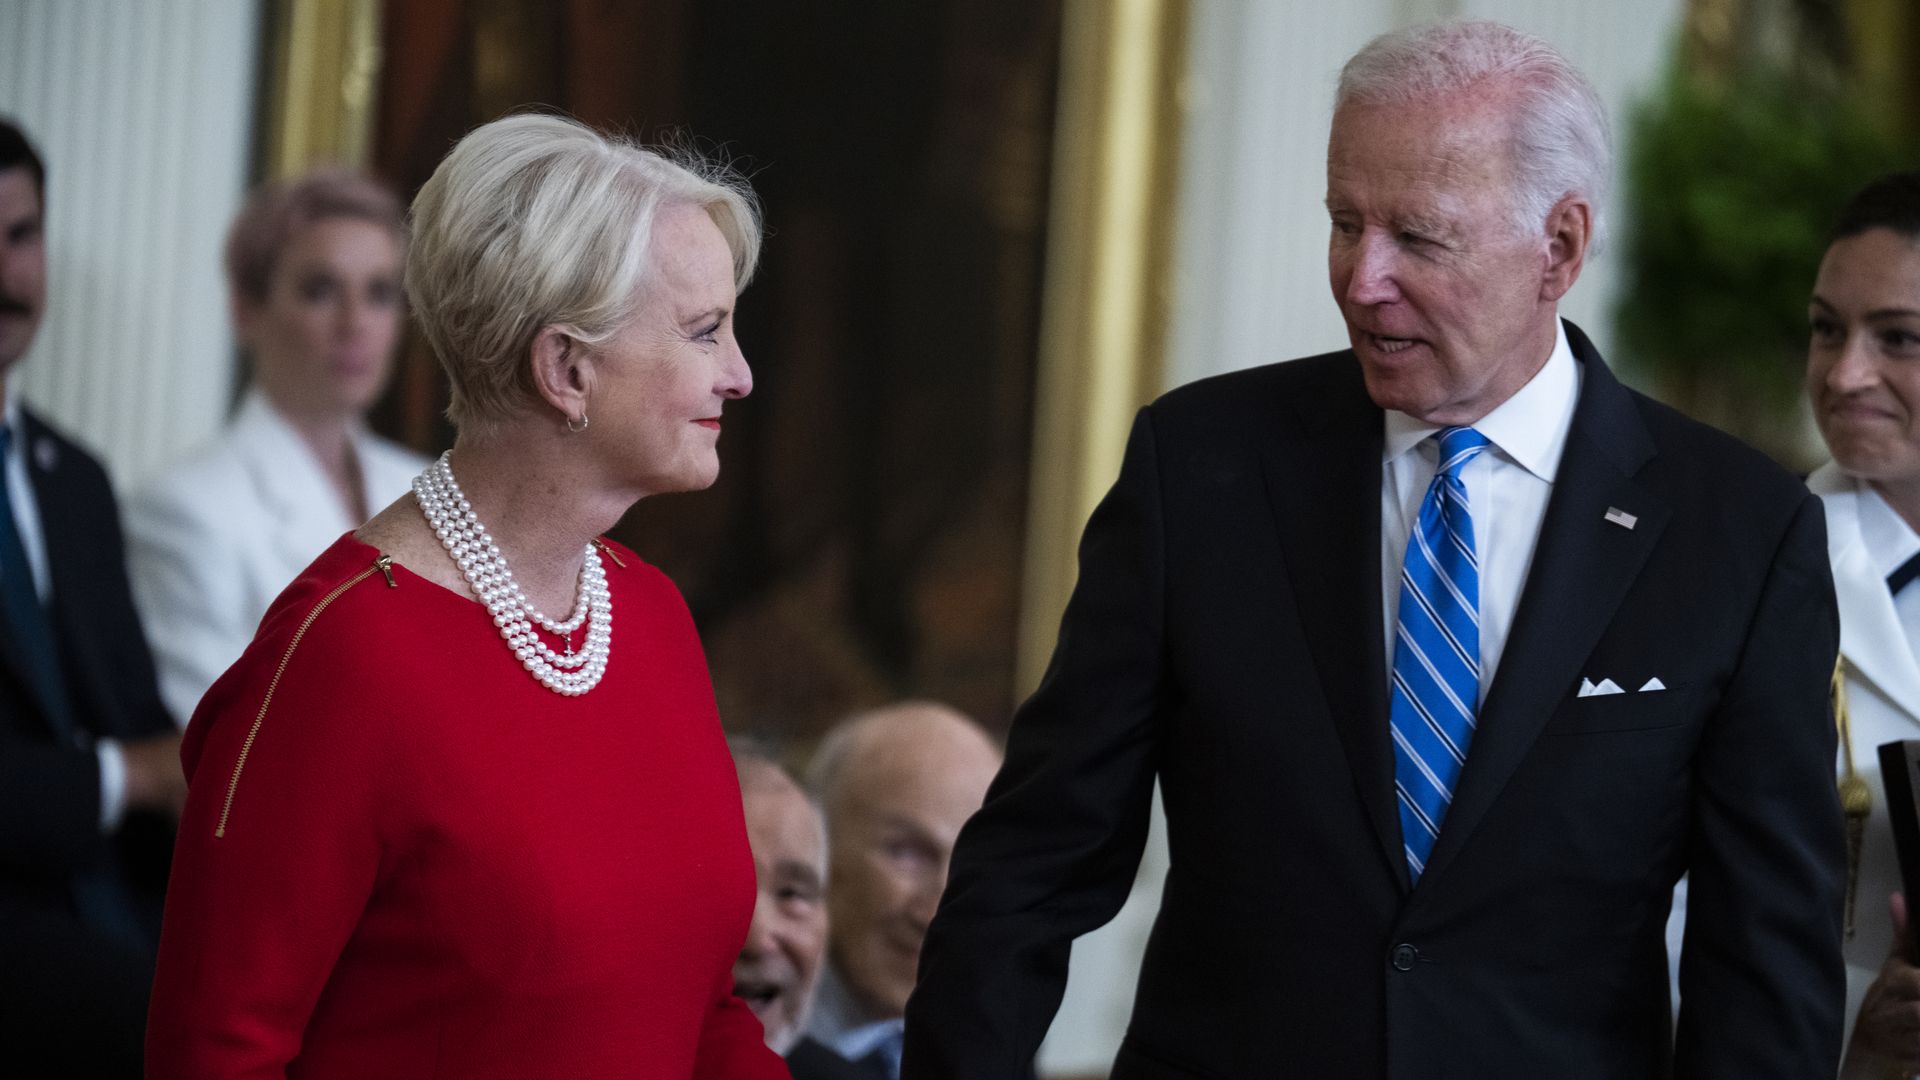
(1860, 411)
(712, 422)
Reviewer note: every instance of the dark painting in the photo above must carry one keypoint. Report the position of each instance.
(864, 542)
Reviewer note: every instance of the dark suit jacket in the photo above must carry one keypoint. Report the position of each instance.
(1225, 638)
(49, 788)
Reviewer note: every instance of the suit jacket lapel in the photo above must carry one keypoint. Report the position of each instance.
(11, 653)
(304, 513)
(59, 534)
(1324, 488)
(1582, 568)
(16, 662)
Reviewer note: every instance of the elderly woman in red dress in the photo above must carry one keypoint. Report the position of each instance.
(443, 820)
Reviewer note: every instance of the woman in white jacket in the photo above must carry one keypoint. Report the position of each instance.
(314, 274)
(1863, 379)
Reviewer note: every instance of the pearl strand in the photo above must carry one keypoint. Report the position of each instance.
(472, 548)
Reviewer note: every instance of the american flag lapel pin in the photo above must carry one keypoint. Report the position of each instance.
(1621, 517)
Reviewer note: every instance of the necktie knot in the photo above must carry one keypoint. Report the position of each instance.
(1459, 445)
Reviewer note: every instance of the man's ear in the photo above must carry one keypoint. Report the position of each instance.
(562, 372)
(1569, 232)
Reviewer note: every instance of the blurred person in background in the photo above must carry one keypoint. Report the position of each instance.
(778, 968)
(431, 828)
(897, 784)
(90, 780)
(1863, 380)
(313, 275)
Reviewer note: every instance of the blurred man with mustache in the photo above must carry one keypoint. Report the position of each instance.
(90, 777)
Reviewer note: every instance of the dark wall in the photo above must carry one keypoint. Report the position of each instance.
(864, 541)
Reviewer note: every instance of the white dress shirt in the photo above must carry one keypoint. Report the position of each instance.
(1508, 485)
(26, 520)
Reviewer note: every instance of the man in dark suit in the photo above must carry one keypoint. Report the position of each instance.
(1449, 655)
(90, 773)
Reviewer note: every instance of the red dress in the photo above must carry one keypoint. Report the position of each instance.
(403, 857)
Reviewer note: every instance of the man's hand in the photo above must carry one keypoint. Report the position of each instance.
(155, 780)
(1889, 1025)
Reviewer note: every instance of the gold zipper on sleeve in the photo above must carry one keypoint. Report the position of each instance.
(383, 565)
(608, 552)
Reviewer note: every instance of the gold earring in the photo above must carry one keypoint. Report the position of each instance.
(577, 424)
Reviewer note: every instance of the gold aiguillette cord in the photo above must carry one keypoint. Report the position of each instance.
(1856, 798)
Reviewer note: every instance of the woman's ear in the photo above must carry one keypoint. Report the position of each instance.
(562, 372)
(245, 314)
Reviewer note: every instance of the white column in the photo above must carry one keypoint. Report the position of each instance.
(1623, 49)
(142, 110)
(1251, 279)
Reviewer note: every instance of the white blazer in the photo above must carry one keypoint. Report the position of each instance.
(1883, 703)
(214, 540)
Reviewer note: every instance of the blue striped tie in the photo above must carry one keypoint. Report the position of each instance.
(1436, 652)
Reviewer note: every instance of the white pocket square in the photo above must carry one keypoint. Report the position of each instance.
(1589, 688)
(1653, 684)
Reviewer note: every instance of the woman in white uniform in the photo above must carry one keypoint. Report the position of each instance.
(314, 274)
(1863, 379)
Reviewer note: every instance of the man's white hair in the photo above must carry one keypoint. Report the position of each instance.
(1561, 143)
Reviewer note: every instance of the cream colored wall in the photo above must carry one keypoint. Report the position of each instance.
(142, 111)
(1250, 279)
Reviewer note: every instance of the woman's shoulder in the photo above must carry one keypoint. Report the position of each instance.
(327, 637)
(635, 579)
(625, 567)
(344, 614)
(209, 476)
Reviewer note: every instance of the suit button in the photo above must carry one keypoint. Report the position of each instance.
(1404, 956)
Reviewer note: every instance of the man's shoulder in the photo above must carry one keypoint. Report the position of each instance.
(1330, 371)
(1711, 464)
(212, 471)
(1305, 389)
(51, 449)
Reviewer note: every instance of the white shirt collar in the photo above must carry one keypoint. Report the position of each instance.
(1530, 428)
(1889, 540)
(840, 1025)
(12, 411)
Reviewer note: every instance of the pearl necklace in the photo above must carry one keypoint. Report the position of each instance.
(571, 673)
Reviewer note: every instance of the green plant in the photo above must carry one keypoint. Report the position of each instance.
(1730, 190)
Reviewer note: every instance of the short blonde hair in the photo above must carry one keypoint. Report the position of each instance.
(279, 209)
(534, 221)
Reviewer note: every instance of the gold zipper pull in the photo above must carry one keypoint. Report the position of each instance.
(385, 563)
(608, 552)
